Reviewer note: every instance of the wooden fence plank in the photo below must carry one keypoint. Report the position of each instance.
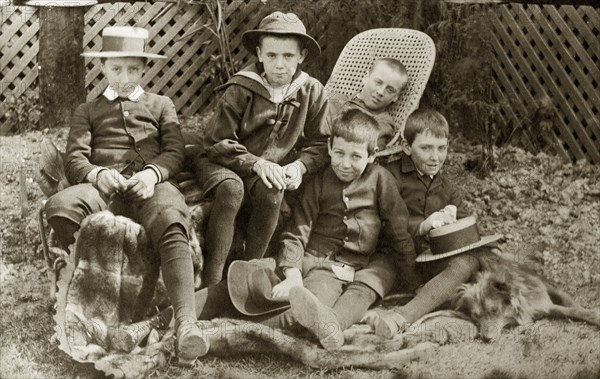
(585, 89)
(550, 86)
(16, 18)
(583, 27)
(563, 81)
(31, 30)
(521, 92)
(13, 74)
(575, 48)
(524, 65)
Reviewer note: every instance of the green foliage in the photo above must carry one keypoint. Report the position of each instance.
(334, 22)
(222, 65)
(460, 84)
(22, 113)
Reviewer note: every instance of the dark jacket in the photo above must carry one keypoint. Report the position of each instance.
(248, 126)
(125, 135)
(423, 199)
(348, 220)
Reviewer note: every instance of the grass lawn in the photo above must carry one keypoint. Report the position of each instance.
(543, 207)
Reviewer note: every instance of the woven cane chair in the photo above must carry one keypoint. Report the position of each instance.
(413, 48)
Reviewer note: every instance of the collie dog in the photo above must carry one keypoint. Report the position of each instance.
(506, 294)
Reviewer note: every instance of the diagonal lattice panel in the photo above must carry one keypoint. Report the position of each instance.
(543, 50)
(18, 53)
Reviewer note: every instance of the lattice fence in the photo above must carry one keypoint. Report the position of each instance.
(184, 77)
(551, 51)
(539, 51)
(18, 50)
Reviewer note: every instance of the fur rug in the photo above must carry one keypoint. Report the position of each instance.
(105, 286)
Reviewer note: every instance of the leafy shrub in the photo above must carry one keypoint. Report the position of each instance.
(222, 65)
(335, 22)
(460, 84)
(21, 113)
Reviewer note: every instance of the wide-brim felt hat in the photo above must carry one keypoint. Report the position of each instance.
(281, 24)
(250, 285)
(456, 238)
(123, 42)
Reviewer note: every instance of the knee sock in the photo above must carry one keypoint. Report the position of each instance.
(64, 230)
(352, 305)
(441, 288)
(265, 214)
(177, 271)
(219, 234)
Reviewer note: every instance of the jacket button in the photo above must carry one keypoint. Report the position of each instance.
(126, 113)
(346, 238)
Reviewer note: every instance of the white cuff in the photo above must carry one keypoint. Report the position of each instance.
(156, 171)
(92, 176)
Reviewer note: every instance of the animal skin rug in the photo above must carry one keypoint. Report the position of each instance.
(100, 291)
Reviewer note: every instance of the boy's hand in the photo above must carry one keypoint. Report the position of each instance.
(109, 182)
(141, 185)
(293, 278)
(435, 220)
(293, 175)
(270, 173)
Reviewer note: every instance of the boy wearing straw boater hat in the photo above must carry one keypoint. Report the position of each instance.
(267, 133)
(123, 148)
(447, 256)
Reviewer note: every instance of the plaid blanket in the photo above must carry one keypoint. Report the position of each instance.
(109, 282)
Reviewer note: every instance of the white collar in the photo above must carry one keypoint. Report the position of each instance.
(421, 174)
(274, 95)
(111, 94)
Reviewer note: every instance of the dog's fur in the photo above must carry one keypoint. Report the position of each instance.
(505, 294)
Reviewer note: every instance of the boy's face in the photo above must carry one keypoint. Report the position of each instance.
(280, 58)
(381, 87)
(124, 74)
(427, 152)
(348, 159)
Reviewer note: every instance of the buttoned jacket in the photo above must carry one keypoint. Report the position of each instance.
(424, 195)
(349, 222)
(126, 135)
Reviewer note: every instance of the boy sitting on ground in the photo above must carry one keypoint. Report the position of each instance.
(267, 133)
(342, 214)
(427, 192)
(332, 266)
(382, 86)
(122, 149)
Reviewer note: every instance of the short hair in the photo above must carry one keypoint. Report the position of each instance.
(103, 60)
(425, 120)
(261, 37)
(392, 63)
(355, 125)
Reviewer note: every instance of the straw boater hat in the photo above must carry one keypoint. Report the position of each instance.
(250, 285)
(282, 24)
(123, 41)
(455, 238)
